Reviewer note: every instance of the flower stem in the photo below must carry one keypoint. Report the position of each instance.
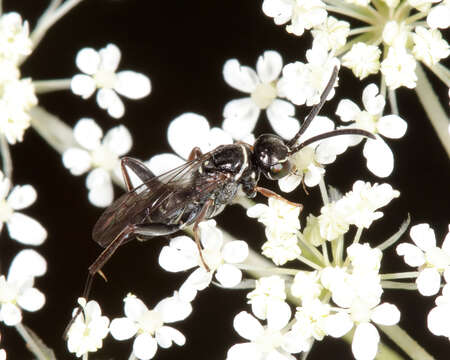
(6, 157)
(323, 191)
(442, 73)
(393, 102)
(395, 237)
(309, 262)
(433, 108)
(401, 338)
(31, 344)
(45, 86)
(403, 275)
(398, 285)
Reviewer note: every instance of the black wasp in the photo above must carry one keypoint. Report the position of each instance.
(197, 190)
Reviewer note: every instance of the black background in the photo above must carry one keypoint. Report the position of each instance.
(182, 46)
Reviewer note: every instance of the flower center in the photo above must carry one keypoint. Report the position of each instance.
(264, 94)
(438, 258)
(151, 321)
(105, 79)
(366, 122)
(269, 340)
(5, 211)
(104, 158)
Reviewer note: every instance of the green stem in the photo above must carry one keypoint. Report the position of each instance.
(6, 157)
(395, 237)
(398, 285)
(31, 344)
(433, 108)
(403, 275)
(401, 338)
(45, 86)
(442, 73)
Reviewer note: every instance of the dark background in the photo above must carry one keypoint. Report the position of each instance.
(182, 46)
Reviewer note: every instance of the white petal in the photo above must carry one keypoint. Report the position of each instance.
(87, 133)
(380, 160)
(423, 236)
(122, 328)
(145, 346)
(132, 85)
(108, 99)
(374, 104)
(240, 117)
(26, 230)
(22, 196)
(392, 126)
(27, 263)
(199, 279)
(101, 191)
(289, 183)
(186, 132)
(134, 308)
(280, 117)
(31, 300)
(247, 326)
(269, 66)
(83, 85)
(216, 137)
(110, 57)
(347, 110)
(165, 335)
(161, 163)
(228, 275)
(413, 255)
(173, 309)
(240, 77)
(235, 251)
(257, 210)
(10, 314)
(338, 325)
(245, 351)
(365, 342)
(278, 315)
(180, 255)
(78, 161)
(313, 175)
(428, 282)
(118, 140)
(438, 320)
(88, 60)
(386, 314)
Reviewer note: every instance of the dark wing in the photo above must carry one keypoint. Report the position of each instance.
(133, 207)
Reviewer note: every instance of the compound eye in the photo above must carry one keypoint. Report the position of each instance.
(279, 170)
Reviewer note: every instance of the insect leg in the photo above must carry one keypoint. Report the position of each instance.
(138, 167)
(270, 194)
(199, 219)
(195, 154)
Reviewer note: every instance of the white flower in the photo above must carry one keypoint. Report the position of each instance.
(303, 14)
(311, 232)
(380, 160)
(281, 247)
(362, 59)
(88, 330)
(100, 69)
(149, 325)
(333, 31)
(431, 260)
(269, 291)
(399, 68)
(306, 285)
(429, 47)
(304, 83)
(17, 290)
(20, 226)
(266, 342)
(241, 114)
(185, 132)
(438, 319)
(182, 254)
(439, 16)
(99, 156)
(364, 259)
(17, 97)
(15, 42)
(333, 220)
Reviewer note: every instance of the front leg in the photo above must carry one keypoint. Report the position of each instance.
(270, 194)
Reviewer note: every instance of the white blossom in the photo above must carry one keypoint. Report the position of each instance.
(304, 83)
(241, 114)
(88, 330)
(303, 14)
(149, 325)
(21, 227)
(306, 285)
(333, 31)
(15, 42)
(17, 290)
(430, 259)
(380, 160)
(269, 291)
(182, 254)
(438, 319)
(311, 232)
(399, 68)
(429, 46)
(265, 342)
(99, 68)
(439, 15)
(98, 156)
(362, 59)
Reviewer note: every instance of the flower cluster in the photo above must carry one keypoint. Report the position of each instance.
(393, 28)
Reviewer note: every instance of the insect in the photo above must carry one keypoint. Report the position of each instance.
(198, 190)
